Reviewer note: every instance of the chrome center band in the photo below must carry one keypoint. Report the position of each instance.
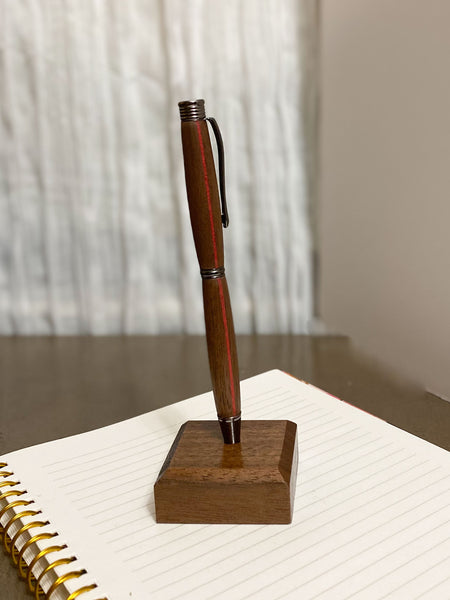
(216, 273)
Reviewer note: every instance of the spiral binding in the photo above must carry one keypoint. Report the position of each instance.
(9, 489)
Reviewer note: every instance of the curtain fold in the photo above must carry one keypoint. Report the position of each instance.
(94, 228)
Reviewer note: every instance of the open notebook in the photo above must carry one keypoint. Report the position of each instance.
(371, 516)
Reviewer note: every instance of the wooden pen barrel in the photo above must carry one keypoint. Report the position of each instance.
(202, 193)
(223, 361)
(205, 214)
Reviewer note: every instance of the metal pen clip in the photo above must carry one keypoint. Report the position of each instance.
(221, 155)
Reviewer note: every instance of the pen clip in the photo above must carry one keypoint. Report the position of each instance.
(221, 154)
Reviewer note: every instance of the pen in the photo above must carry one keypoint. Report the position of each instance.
(208, 214)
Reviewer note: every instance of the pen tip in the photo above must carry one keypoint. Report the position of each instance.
(231, 429)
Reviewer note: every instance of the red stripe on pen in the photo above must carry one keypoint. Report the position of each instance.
(216, 264)
(208, 193)
(227, 339)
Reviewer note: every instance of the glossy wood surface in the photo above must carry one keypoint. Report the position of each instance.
(205, 213)
(55, 387)
(204, 480)
(221, 342)
(203, 193)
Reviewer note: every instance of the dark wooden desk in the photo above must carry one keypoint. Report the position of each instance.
(55, 387)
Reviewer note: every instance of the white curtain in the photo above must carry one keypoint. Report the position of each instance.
(94, 228)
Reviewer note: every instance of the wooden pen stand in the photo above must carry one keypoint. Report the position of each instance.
(204, 480)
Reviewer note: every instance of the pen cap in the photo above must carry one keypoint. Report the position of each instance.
(192, 110)
(201, 185)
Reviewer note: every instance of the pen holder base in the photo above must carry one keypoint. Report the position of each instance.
(204, 480)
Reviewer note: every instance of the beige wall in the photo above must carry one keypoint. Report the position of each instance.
(384, 212)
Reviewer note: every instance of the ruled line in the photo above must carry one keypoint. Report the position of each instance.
(322, 556)
(351, 476)
(433, 587)
(155, 434)
(394, 551)
(163, 430)
(299, 508)
(295, 526)
(396, 589)
(159, 546)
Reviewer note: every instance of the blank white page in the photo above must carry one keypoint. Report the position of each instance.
(371, 517)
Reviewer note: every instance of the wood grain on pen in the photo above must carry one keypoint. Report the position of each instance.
(221, 342)
(205, 213)
(203, 194)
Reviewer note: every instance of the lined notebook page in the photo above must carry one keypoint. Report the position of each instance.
(371, 516)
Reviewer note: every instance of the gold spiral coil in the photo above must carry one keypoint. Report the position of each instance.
(10, 483)
(12, 493)
(13, 519)
(11, 505)
(7, 490)
(22, 530)
(62, 579)
(31, 579)
(18, 556)
(38, 591)
(82, 590)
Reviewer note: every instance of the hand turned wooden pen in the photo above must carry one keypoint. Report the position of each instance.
(207, 220)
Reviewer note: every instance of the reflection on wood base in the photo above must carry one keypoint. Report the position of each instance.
(204, 480)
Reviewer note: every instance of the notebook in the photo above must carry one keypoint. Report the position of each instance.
(371, 514)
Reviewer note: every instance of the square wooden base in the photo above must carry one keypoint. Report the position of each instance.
(204, 480)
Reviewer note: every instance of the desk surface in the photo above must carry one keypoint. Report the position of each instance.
(55, 387)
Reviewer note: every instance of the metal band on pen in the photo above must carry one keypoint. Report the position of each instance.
(192, 110)
(216, 273)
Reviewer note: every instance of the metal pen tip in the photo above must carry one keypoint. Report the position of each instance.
(231, 429)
